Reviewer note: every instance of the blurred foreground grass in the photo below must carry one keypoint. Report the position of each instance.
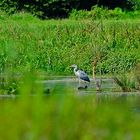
(68, 116)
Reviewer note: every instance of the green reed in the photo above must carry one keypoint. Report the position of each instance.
(53, 45)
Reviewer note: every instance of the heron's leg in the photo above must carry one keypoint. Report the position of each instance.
(86, 84)
(79, 82)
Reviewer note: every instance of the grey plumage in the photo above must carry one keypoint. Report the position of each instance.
(80, 74)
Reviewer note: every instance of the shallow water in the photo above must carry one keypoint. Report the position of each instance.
(106, 95)
(68, 109)
(108, 86)
(68, 85)
(71, 82)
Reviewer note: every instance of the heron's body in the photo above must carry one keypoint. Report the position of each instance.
(80, 74)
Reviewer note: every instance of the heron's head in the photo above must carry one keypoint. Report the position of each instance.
(74, 66)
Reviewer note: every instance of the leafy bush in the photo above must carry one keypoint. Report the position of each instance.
(62, 8)
(9, 6)
(103, 13)
(43, 9)
(135, 4)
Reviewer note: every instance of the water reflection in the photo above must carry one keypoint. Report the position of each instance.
(69, 86)
(106, 96)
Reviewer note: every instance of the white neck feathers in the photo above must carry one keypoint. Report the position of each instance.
(75, 69)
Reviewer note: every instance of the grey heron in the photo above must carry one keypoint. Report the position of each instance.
(82, 76)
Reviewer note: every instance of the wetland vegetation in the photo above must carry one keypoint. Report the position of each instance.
(51, 46)
(35, 105)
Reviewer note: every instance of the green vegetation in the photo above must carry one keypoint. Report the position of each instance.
(129, 82)
(126, 82)
(67, 115)
(30, 47)
(29, 44)
(97, 13)
(53, 45)
(62, 8)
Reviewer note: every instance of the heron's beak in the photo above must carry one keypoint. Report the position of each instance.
(72, 66)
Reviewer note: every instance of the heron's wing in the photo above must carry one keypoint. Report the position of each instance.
(83, 75)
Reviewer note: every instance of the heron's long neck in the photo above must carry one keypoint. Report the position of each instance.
(75, 69)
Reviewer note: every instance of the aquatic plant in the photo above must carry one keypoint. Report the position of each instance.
(126, 82)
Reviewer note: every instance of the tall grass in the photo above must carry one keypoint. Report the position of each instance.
(129, 81)
(126, 82)
(53, 45)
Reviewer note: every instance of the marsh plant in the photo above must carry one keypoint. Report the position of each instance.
(137, 74)
(129, 81)
(125, 82)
